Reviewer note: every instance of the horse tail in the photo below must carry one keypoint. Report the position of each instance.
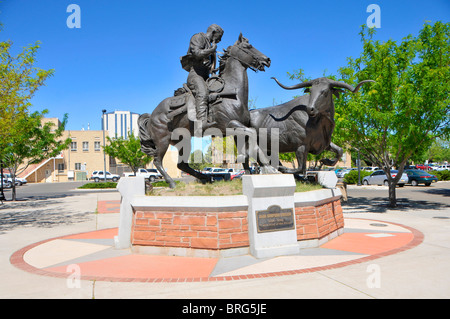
(147, 144)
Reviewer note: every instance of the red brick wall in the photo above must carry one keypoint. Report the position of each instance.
(317, 222)
(221, 230)
(202, 230)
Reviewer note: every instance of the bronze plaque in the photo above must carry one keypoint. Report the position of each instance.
(275, 218)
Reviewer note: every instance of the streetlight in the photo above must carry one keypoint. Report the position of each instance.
(104, 144)
(2, 195)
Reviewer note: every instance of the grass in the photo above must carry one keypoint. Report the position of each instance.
(218, 188)
(98, 185)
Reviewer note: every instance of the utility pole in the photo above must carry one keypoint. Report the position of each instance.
(104, 144)
(359, 170)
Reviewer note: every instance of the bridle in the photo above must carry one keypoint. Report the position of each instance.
(236, 52)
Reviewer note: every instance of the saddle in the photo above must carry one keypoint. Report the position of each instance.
(183, 99)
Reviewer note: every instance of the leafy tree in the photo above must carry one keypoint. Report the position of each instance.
(439, 151)
(20, 80)
(198, 160)
(408, 106)
(288, 157)
(127, 151)
(32, 143)
(23, 138)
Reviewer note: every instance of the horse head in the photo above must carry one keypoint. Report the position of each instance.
(245, 53)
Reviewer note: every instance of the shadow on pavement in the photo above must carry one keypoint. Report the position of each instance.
(381, 204)
(39, 211)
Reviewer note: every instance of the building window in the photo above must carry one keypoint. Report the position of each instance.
(60, 167)
(97, 146)
(85, 146)
(78, 166)
(73, 146)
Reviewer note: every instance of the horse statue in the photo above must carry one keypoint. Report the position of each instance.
(229, 111)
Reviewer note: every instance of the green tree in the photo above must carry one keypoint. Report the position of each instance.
(127, 151)
(20, 80)
(407, 108)
(23, 138)
(32, 143)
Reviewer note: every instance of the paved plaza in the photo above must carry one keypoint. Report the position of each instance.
(62, 247)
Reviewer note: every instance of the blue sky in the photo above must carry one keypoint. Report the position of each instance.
(126, 54)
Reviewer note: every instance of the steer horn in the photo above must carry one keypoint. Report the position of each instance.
(348, 86)
(297, 86)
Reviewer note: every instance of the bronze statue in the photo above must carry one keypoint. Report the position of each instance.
(305, 124)
(228, 111)
(200, 62)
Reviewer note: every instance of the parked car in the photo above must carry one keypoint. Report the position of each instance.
(237, 175)
(99, 176)
(379, 177)
(442, 167)
(18, 180)
(417, 176)
(423, 167)
(6, 183)
(371, 168)
(206, 170)
(150, 173)
(342, 173)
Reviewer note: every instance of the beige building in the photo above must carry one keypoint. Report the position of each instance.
(85, 155)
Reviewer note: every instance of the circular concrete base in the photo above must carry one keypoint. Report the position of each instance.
(92, 256)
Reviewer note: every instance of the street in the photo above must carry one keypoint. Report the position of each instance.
(434, 197)
(48, 211)
(431, 197)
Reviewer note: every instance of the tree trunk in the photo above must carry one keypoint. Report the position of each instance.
(392, 194)
(13, 190)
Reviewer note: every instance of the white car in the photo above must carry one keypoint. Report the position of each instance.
(151, 174)
(443, 168)
(98, 176)
(19, 181)
(380, 178)
(6, 183)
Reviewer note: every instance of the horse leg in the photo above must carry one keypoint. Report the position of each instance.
(243, 155)
(161, 149)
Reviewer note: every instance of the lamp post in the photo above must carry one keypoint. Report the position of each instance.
(359, 170)
(2, 195)
(104, 144)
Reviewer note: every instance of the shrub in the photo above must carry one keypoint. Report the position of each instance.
(441, 175)
(98, 185)
(352, 176)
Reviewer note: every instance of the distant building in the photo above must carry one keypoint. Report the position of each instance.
(85, 153)
(120, 123)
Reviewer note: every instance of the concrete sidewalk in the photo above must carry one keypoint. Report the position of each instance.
(419, 272)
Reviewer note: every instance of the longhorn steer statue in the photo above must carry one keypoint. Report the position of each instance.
(305, 124)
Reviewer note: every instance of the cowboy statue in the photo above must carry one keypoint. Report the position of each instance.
(200, 62)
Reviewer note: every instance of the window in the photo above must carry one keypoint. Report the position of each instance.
(60, 167)
(77, 166)
(96, 146)
(85, 146)
(73, 146)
